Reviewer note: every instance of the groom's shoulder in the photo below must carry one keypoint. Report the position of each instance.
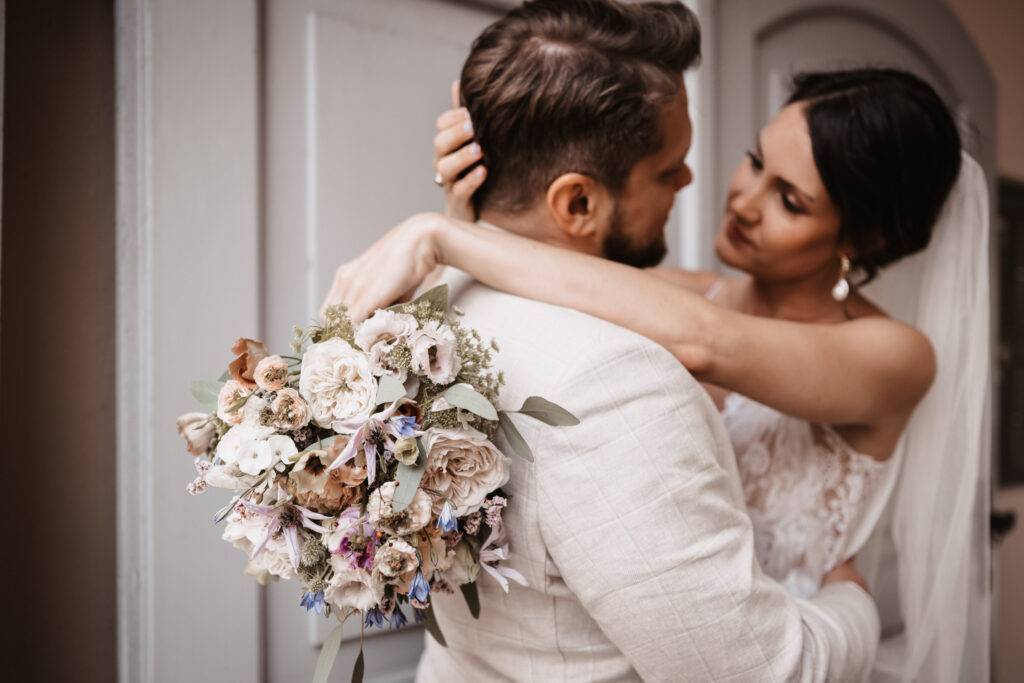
(521, 325)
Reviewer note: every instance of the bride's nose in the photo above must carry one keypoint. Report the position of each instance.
(744, 205)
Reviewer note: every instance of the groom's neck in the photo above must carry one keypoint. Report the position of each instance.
(536, 224)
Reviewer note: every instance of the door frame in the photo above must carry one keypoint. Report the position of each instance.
(169, 205)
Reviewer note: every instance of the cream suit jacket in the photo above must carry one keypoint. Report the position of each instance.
(630, 528)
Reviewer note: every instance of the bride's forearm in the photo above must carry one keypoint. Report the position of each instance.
(681, 321)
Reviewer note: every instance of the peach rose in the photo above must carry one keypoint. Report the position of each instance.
(290, 411)
(271, 373)
(231, 402)
(250, 352)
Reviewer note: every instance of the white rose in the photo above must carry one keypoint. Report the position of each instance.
(246, 445)
(435, 353)
(351, 589)
(381, 515)
(394, 558)
(380, 334)
(337, 382)
(463, 467)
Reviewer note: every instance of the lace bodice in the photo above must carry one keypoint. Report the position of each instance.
(813, 499)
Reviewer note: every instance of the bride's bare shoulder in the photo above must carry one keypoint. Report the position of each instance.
(899, 351)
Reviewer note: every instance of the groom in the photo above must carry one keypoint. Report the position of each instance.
(630, 528)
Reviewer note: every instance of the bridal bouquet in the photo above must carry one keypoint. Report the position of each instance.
(362, 465)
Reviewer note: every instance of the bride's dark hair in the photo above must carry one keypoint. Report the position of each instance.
(888, 151)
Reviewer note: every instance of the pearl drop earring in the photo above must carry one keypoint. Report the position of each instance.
(842, 288)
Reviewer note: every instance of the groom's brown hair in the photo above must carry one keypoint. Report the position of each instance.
(560, 86)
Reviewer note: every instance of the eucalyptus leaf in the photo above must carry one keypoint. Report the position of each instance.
(206, 392)
(472, 596)
(328, 653)
(433, 628)
(408, 478)
(514, 438)
(357, 669)
(466, 397)
(547, 412)
(389, 389)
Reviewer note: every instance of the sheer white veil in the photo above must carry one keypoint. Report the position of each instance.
(933, 591)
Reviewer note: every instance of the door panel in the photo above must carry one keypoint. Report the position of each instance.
(352, 89)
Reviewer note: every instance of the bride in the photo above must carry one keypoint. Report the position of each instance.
(816, 383)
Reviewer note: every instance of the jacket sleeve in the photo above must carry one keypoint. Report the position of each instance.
(642, 514)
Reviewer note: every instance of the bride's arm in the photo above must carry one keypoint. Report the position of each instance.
(865, 371)
(853, 373)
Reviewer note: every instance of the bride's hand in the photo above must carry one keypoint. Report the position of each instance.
(846, 572)
(390, 270)
(454, 154)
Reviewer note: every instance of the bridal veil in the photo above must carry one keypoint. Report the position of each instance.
(938, 518)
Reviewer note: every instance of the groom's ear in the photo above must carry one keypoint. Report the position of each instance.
(580, 205)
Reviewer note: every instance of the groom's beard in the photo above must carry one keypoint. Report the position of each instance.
(620, 248)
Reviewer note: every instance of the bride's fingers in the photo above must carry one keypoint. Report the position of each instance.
(451, 117)
(464, 188)
(455, 93)
(451, 138)
(451, 166)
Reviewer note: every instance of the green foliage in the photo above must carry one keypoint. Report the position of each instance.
(547, 412)
(514, 437)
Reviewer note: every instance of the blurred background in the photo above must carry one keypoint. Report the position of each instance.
(178, 173)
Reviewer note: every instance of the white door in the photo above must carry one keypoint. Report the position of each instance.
(352, 89)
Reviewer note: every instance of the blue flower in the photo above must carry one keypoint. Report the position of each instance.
(404, 425)
(446, 520)
(419, 590)
(398, 619)
(374, 617)
(314, 602)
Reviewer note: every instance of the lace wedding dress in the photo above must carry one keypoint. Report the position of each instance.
(813, 499)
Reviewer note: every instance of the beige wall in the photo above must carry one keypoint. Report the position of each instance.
(997, 27)
(57, 302)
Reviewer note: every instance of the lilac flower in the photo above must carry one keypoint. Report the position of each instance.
(446, 520)
(357, 544)
(404, 425)
(398, 619)
(493, 552)
(286, 518)
(374, 618)
(314, 602)
(419, 590)
(380, 429)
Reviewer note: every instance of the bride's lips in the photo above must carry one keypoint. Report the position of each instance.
(735, 234)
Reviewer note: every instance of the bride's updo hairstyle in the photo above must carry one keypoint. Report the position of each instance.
(888, 152)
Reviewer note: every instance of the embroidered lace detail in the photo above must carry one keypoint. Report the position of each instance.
(806, 490)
